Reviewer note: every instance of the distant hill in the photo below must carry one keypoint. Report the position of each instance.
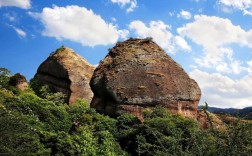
(244, 113)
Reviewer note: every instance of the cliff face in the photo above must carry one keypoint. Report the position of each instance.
(67, 72)
(138, 74)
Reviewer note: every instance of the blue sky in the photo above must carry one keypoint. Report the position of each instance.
(210, 39)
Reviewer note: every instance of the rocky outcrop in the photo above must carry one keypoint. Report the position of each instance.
(138, 74)
(67, 72)
(19, 81)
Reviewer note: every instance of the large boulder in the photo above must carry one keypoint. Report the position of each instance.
(19, 81)
(67, 72)
(137, 74)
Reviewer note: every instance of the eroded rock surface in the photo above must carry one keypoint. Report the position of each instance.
(138, 74)
(67, 72)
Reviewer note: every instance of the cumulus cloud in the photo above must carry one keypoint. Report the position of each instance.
(160, 32)
(222, 91)
(243, 5)
(78, 24)
(122, 3)
(185, 15)
(215, 34)
(24, 4)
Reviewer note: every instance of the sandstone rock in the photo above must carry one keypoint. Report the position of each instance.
(19, 81)
(67, 72)
(138, 74)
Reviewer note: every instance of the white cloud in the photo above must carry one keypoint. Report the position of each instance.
(10, 17)
(249, 67)
(185, 15)
(113, 19)
(200, 10)
(123, 33)
(122, 3)
(78, 24)
(180, 43)
(222, 91)
(160, 32)
(132, 4)
(223, 68)
(212, 31)
(244, 5)
(171, 14)
(237, 67)
(24, 4)
(215, 34)
(19, 31)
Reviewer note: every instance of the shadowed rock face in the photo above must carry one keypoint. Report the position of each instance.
(138, 74)
(67, 72)
(19, 81)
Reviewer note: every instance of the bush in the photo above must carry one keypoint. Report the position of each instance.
(4, 78)
(32, 125)
(17, 137)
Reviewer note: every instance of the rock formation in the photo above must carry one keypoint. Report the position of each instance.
(67, 72)
(138, 74)
(19, 81)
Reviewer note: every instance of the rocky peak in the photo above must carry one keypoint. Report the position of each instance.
(67, 72)
(138, 74)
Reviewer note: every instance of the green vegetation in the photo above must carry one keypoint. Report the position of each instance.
(148, 39)
(60, 49)
(33, 125)
(4, 77)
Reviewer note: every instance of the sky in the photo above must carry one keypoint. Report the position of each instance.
(210, 39)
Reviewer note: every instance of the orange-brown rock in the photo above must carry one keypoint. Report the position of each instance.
(67, 72)
(138, 74)
(19, 81)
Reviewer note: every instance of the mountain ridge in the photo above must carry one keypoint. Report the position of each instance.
(245, 112)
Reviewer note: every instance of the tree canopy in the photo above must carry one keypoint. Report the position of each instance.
(33, 125)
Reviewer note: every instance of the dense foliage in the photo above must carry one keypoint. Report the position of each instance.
(32, 125)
